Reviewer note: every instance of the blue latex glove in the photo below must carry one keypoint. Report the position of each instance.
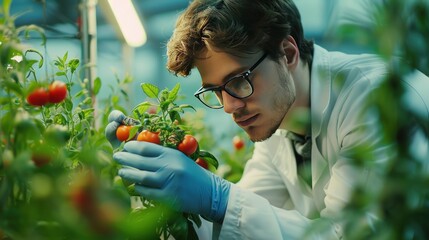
(168, 176)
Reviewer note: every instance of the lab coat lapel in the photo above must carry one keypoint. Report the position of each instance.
(304, 203)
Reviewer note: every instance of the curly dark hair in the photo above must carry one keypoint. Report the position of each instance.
(237, 27)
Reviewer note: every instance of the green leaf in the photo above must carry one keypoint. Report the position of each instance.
(60, 119)
(183, 106)
(115, 99)
(40, 63)
(142, 107)
(9, 85)
(80, 93)
(64, 59)
(133, 132)
(128, 79)
(174, 115)
(31, 62)
(87, 100)
(150, 90)
(131, 189)
(68, 104)
(172, 95)
(73, 64)
(142, 223)
(56, 134)
(59, 64)
(60, 73)
(78, 111)
(97, 86)
(89, 112)
(210, 159)
(124, 93)
(164, 105)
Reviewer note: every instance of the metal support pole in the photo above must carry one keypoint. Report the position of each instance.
(89, 44)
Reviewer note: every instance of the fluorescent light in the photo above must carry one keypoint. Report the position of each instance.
(129, 22)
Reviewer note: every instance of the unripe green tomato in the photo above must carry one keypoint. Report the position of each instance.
(57, 134)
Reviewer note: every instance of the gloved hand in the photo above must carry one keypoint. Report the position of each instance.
(168, 176)
(117, 118)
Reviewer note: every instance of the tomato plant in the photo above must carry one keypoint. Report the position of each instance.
(161, 123)
(42, 148)
(123, 132)
(38, 97)
(188, 145)
(57, 92)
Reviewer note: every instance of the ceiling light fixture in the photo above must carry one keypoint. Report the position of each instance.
(128, 21)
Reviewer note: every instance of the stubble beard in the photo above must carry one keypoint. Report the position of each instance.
(286, 96)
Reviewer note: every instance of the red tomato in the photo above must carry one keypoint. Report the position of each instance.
(123, 132)
(38, 97)
(148, 136)
(202, 163)
(57, 92)
(152, 110)
(238, 142)
(188, 145)
(83, 195)
(40, 159)
(82, 199)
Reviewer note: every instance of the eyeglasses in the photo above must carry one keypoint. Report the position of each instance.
(238, 86)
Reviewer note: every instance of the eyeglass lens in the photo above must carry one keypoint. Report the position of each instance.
(237, 87)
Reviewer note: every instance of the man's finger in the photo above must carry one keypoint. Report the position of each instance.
(137, 161)
(146, 149)
(144, 178)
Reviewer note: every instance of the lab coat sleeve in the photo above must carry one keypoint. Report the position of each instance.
(256, 206)
(250, 216)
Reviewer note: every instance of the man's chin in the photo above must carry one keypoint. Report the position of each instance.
(256, 135)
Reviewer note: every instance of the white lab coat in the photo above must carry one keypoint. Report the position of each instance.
(271, 201)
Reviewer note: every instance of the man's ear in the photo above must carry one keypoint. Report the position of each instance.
(291, 52)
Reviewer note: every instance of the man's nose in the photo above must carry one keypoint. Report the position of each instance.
(230, 103)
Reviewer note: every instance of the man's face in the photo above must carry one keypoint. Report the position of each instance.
(274, 92)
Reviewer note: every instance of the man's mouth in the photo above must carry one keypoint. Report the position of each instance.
(246, 121)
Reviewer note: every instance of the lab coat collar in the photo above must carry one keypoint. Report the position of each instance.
(320, 88)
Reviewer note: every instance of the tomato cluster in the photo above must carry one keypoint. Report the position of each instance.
(56, 93)
(162, 124)
(188, 145)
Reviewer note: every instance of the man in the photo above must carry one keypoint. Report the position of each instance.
(302, 105)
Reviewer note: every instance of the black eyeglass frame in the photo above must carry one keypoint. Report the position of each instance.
(245, 75)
